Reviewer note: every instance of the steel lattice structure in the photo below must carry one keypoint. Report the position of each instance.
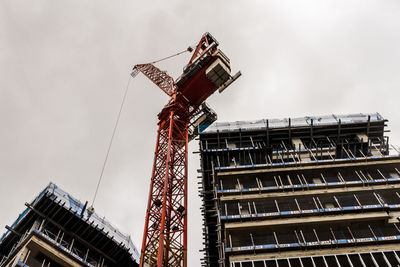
(165, 232)
(165, 219)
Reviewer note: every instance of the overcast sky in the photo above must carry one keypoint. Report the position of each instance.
(64, 66)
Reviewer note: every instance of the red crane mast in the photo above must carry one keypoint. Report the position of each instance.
(165, 231)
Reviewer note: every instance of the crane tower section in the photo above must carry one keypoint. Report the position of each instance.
(165, 232)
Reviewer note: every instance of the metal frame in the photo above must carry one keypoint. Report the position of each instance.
(165, 231)
(165, 234)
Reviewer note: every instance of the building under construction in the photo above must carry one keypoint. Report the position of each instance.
(58, 230)
(312, 191)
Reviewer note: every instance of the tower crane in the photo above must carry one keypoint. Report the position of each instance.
(165, 231)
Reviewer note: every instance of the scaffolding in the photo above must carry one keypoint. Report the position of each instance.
(272, 187)
(54, 224)
(63, 241)
(377, 259)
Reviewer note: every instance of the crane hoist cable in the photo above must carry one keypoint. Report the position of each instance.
(189, 49)
(111, 140)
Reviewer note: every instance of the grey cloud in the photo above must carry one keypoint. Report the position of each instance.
(64, 65)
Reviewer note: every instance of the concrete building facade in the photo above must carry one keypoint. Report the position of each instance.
(312, 191)
(58, 230)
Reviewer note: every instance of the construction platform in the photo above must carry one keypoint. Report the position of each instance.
(56, 229)
(311, 191)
